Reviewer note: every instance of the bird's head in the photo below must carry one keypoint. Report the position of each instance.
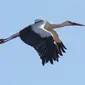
(69, 23)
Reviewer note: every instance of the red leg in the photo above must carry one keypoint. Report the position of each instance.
(1, 41)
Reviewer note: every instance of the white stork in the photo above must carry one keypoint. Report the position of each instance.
(42, 36)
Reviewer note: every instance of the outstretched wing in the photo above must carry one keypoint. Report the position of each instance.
(45, 46)
(59, 43)
(47, 50)
(61, 48)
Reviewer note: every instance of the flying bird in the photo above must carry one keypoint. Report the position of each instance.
(41, 35)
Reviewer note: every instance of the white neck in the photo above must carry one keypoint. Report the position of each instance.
(65, 24)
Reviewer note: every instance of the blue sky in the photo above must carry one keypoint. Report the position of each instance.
(20, 64)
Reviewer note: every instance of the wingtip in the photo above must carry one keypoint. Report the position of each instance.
(51, 61)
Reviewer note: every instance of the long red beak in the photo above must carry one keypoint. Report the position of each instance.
(76, 24)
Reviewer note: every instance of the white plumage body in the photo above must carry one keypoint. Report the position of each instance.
(39, 29)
